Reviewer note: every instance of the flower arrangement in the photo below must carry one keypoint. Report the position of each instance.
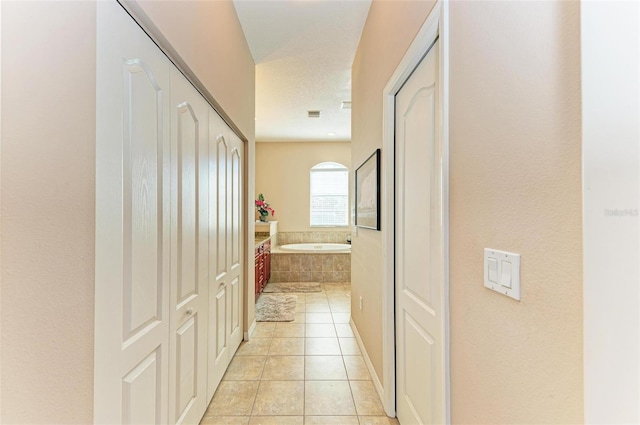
(263, 208)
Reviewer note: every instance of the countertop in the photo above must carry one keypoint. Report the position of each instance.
(261, 239)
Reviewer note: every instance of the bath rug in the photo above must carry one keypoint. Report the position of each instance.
(276, 308)
(292, 287)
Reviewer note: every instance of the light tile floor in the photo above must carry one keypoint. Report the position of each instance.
(309, 371)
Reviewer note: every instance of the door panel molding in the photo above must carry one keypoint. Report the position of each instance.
(425, 352)
(236, 212)
(142, 207)
(187, 371)
(221, 205)
(187, 161)
(142, 387)
(436, 27)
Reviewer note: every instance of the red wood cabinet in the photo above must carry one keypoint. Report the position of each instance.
(257, 260)
(262, 265)
(267, 261)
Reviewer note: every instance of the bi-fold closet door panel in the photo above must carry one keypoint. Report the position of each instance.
(189, 253)
(219, 343)
(168, 228)
(132, 314)
(225, 236)
(234, 315)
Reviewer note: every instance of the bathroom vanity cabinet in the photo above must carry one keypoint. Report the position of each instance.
(262, 265)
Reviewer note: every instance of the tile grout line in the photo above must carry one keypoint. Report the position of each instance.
(355, 407)
(304, 360)
(305, 337)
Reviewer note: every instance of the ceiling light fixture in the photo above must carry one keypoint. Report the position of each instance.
(314, 114)
(331, 134)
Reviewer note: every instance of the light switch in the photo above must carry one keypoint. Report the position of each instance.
(502, 272)
(493, 270)
(505, 274)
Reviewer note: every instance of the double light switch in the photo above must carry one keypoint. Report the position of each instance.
(502, 272)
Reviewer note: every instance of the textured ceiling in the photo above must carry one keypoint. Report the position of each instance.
(303, 50)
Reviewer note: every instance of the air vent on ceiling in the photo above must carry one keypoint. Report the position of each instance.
(346, 105)
(314, 114)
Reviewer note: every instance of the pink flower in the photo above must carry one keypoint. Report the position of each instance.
(263, 207)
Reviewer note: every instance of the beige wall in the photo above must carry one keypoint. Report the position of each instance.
(209, 38)
(48, 186)
(515, 185)
(282, 175)
(389, 29)
(520, 108)
(48, 198)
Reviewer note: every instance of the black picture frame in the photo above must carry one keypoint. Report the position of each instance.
(367, 193)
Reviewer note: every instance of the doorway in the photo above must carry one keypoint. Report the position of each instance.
(415, 298)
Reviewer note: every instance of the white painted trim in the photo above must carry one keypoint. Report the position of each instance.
(444, 95)
(374, 376)
(436, 25)
(249, 333)
(610, 67)
(0, 198)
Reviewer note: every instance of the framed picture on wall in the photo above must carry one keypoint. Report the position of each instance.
(368, 193)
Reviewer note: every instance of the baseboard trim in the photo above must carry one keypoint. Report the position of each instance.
(249, 333)
(367, 361)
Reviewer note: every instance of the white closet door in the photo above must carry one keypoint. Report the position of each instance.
(132, 223)
(225, 248)
(189, 240)
(420, 334)
(219, 348)
(169, 235)
(234, 312)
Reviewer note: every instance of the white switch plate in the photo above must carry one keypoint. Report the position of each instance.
(507, 284)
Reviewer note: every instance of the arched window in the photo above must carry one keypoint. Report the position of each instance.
(329, 194)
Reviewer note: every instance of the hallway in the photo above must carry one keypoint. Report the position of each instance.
(309, 371)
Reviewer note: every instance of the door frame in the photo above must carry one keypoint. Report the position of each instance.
(436, 26)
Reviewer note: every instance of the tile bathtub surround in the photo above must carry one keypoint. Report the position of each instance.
(303, 372)
(285, 238)
(323, 268)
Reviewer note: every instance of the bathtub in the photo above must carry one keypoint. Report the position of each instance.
(311, 262)
(317, 247)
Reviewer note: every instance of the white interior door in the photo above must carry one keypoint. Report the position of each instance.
(225, 248)
(234, 312)
(132, 223)
(169, 235)
(420, 371)
(189, 258)
(219, 349)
